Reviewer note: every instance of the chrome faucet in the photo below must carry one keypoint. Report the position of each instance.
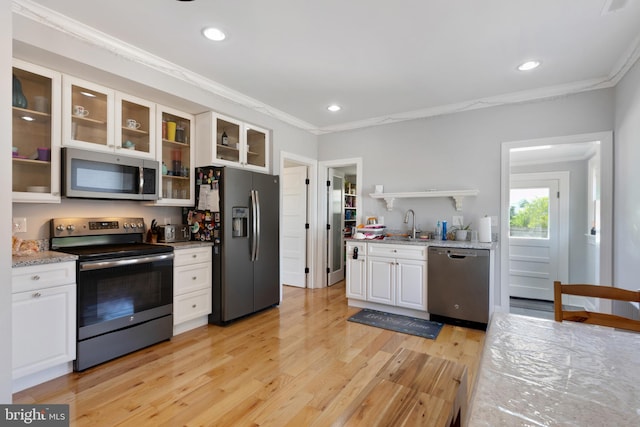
(413, 223)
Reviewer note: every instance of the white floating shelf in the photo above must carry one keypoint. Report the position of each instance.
(457, 195)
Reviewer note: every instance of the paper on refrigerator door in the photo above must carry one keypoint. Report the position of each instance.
(209, 198)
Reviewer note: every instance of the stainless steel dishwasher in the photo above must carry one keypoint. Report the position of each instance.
(458, 285)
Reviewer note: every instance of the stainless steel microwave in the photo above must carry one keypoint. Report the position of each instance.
(94, 175)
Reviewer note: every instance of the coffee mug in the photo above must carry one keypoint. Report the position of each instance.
(79, 110)
(132, 124)
(41, 104)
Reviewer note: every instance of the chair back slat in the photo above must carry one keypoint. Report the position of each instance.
(594, 318)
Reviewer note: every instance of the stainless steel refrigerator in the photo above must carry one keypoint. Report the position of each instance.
(241, 217)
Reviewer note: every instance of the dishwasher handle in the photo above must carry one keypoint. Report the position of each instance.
(461, 255)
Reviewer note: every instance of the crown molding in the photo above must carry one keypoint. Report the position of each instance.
(73, 28)
(101, 40)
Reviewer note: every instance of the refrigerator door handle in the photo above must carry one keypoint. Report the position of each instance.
(256, 237)
(254, 224)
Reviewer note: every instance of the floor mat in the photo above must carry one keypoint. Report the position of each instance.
(395, 322)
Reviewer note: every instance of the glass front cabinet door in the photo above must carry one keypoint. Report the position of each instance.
(87, 114)
(175, 154)
(135, 126)
(226, 141)
(36, 134)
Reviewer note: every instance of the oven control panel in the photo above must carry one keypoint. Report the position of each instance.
(64, 227)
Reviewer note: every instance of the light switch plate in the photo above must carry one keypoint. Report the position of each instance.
(19, 225)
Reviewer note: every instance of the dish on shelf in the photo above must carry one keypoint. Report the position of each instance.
(38, 189)
(18, 156)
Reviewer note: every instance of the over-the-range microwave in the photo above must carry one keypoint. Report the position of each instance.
(95, 175)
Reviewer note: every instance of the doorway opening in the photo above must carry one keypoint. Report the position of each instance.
(298, 207)
(341, 196)
(584, 245)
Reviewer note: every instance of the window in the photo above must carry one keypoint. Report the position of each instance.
(529, 213)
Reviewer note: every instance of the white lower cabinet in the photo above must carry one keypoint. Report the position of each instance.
(394, 275)
(356, 271)
(43, 322)
(191, 288)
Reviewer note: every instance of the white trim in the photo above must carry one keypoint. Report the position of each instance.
(50, 18)
(312, 210)
(606, 204)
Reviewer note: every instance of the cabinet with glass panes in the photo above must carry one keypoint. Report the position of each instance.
(175, 153)
(35, 134)
(226, 141)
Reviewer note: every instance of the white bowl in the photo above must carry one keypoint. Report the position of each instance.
(38, 189)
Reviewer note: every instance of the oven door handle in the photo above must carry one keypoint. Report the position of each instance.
(98, 265)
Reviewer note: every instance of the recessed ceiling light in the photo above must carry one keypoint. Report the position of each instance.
(334, 107)
(214, 34)
(27, 118)
(529, 65)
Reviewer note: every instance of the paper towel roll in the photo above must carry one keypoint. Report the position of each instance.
(484, 230)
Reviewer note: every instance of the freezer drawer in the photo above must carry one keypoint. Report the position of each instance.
(458, 283)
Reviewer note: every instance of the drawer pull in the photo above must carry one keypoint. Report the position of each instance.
(35, 277)
(36, 295)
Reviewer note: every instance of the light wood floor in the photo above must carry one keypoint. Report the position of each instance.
(299, 364)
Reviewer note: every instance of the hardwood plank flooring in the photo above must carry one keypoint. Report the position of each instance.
(300, 364)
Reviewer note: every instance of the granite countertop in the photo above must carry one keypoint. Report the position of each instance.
(41, 258)
(429, 242)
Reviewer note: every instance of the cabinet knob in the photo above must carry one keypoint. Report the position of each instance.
(456, 306)
(36, 295)
(35, 277)
(194, 256)
(193, 306)
(194, 277)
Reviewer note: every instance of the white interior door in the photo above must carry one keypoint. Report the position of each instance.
(335, 218)
(534, 237)
(294, 232)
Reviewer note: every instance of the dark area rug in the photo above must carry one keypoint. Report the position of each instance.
(395, 322)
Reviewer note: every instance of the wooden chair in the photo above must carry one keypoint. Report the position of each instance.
(594, 318)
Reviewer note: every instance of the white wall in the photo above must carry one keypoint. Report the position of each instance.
(5, 203)
(626, 260)
(458, 151)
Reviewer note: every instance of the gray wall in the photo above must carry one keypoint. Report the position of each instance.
(579, 263)
(5, 204)
(459, 151)
(626, 212)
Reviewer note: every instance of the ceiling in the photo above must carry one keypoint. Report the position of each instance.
(382, 61)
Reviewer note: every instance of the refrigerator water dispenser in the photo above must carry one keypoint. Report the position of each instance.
(240, 222)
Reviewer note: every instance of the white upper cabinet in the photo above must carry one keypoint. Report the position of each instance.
(135, 125)
(229, 142)
(36, 134)
(175, 152)
(97, 118)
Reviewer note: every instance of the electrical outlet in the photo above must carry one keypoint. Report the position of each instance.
(167, 220)
(457, 220)
(19, 225)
